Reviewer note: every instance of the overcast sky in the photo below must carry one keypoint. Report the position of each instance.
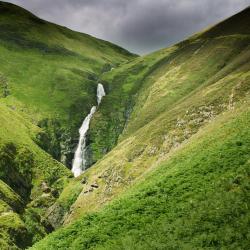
(140, 26)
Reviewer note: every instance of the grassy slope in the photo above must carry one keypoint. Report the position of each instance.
(122, 85)
(23, 167)
(52, 63)
(190, 123)
(198, 199)
(51, 72)
(48, 78)
(11, 205)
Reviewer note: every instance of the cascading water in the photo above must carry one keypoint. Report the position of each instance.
(100, 93)
(79, 162)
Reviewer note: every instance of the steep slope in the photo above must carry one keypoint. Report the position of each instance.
(48, 79)
(53, 72)
(182, 158)
(198, 199)
(24, 169)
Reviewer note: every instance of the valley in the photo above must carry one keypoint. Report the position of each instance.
(104, 149)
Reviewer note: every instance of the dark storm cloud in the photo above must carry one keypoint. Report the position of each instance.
(138, 25)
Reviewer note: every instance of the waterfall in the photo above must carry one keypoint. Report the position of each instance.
(100, 93)
(79, 162)
(79, 159)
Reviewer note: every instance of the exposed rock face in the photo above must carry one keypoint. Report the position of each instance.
(56, 140)
(55, 215)
(66, 149)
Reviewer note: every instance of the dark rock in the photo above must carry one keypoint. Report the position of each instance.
(94, 185)
(84, 180)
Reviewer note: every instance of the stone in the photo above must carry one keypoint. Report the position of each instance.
(45, 187)
(94, 185)
(180, 122)
(84, 180)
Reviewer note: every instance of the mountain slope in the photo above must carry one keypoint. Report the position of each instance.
(196, 200)
(48, 79)
(53, 72)
(182, 161)
(24, 168)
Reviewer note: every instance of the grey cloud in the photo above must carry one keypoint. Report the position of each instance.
(138, 25)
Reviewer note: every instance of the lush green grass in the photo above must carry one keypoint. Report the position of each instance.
(175, 121)
(19, 151)
(122, 85)
(53, 72)
(198, 199)
(58, 84)
(23, 167)
(48, 80)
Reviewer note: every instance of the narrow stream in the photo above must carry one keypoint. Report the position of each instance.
(79, 162)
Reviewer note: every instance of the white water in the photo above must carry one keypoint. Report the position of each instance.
(100, 93)
(79, 162)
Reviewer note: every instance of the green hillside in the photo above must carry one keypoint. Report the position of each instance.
(168, 148)
(178, 177)
(199, 199)
(53, 72)
(48, 79)
(24, 167)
